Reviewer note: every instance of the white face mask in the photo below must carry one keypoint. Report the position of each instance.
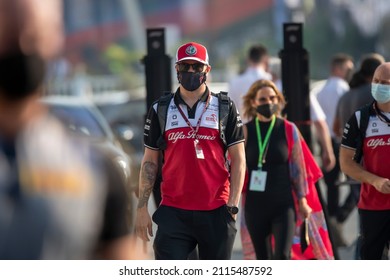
(380, 92)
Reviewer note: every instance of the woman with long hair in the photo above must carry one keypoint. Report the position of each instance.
(272, 182)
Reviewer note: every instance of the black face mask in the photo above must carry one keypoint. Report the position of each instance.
(20, 74)
(191, 80)
(267, 110)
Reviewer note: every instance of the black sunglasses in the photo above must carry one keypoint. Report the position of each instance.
(184, 67)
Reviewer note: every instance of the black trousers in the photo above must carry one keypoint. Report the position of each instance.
(330, 178)
(374, 233)
(180, 231)
(275, 219)
(340, 212)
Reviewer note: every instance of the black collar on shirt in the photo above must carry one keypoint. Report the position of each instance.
(191, 111)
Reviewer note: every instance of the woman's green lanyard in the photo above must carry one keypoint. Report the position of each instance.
(263, 145)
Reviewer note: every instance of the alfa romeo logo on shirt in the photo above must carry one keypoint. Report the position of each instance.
(191, 50)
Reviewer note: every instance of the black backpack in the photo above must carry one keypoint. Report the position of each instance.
(365, 112)
(162, 110)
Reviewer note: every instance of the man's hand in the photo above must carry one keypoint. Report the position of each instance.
(382, 185)
(143, 224)
(234, 216)
(328, 160)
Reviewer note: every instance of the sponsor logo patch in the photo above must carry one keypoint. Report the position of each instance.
(191, 50)
(374, 143)
(212, 118)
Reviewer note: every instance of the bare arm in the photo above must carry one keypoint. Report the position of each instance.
(327, 155)
(357, 172)
(337, 125)
(337, 129)
(237, 155)
(147, 178)
(245, 129)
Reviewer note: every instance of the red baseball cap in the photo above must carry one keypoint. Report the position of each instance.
(192, 51)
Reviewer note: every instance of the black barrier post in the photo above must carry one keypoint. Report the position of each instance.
(158, 80)
(295, 80)
(157, 66)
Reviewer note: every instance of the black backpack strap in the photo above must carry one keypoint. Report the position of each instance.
(162, 111)
(224, 108)
(365, 113)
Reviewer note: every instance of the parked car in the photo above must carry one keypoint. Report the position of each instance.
(126, 118)
(83, 119)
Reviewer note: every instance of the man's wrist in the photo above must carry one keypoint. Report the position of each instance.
(232, 209)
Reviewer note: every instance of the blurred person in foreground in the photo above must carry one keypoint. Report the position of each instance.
(280, 181)
(341, 69)
(57, 201)
(199, 194)
(257, 69)
(373, 172)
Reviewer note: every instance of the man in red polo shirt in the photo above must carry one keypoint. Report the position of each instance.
(199, 195)
(374, 173)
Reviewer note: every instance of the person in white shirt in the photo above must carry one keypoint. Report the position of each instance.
(318, 118)
(336, 85)
(256, 70)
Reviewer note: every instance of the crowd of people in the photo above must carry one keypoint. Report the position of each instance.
(278, 195)
(212, 156)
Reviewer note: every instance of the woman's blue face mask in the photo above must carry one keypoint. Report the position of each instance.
(380, 92)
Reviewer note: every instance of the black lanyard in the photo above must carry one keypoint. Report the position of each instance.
(381, 116)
